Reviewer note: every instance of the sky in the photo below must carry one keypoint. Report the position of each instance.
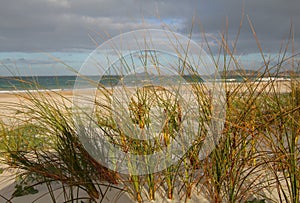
(36, 35)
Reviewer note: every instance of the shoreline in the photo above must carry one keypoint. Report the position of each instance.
(16, 97)
(228, 83)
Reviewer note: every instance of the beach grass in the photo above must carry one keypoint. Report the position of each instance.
(256, 159)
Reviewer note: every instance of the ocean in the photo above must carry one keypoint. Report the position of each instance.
(24, 83)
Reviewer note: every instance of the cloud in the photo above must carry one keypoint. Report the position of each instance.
(61, 3)
(58, 25)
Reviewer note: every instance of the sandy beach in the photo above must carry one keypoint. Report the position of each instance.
(10, 105)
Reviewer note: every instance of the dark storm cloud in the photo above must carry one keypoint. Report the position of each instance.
(32, 25)
(271, 20)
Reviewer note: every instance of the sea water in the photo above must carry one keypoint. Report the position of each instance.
(25, 83)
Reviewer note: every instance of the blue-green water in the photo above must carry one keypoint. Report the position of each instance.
(40, 82)
(67, 82)
(48, 82)
(64, 82)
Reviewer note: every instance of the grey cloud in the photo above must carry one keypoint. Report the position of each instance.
(30, 25)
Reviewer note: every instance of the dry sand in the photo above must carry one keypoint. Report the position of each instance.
(8, 102)
(8, 183)
(11, 104)
(268, 87)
